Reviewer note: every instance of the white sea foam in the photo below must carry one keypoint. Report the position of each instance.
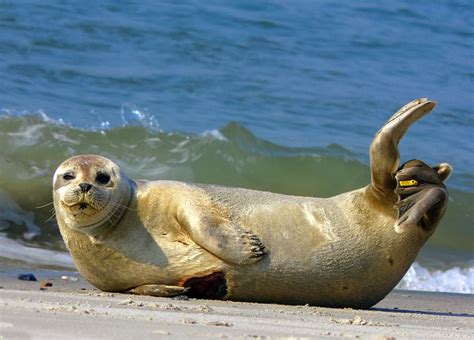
(214, 134)
(453, 280)
(133, 116)
(48, 119)
(14, 250)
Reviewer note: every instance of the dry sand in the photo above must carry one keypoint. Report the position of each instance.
(74, 309)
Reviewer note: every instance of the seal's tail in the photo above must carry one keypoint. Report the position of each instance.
(422, 195)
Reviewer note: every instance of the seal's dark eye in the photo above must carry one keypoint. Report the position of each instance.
(102, 178)
(68, 176)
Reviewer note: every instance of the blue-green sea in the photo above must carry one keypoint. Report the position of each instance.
(282, 96)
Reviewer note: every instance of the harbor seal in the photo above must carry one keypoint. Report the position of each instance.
(167, 238)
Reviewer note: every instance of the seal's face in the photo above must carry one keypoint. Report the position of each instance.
(89, 191)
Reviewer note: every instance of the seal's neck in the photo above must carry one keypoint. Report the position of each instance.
(379, 197)
(380, 201)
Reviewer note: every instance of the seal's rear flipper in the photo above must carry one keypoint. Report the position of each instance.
(424, 209)
(422, 196)
(444, 171)
(384, 155)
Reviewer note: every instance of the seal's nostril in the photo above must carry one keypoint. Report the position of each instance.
(85, 187)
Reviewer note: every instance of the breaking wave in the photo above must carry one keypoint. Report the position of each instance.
(453, 280)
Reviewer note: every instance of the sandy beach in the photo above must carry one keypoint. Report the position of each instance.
(62, 305)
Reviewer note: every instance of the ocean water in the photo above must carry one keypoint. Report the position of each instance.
(282, 96)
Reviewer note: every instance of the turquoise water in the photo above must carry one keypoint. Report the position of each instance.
(271, 95)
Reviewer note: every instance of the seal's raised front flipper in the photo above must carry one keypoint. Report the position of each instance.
(384, 155)
(422, 195)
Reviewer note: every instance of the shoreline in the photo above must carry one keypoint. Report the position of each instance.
(73, 308)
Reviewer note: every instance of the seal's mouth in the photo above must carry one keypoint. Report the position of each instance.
(80, 208)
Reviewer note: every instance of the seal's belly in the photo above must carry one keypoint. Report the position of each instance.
(293, 233)
(319, 251)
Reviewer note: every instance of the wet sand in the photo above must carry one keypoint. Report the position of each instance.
(59, 308)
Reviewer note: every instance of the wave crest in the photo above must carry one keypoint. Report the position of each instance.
(453, 280)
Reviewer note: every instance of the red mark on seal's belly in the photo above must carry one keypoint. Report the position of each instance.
(212, 286)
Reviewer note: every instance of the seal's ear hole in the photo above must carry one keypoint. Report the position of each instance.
(102, 178)
(444, 170)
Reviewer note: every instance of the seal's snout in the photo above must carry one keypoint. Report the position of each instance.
(85, 187)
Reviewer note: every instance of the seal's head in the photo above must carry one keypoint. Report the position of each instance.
(422, 195)
(89, 192)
